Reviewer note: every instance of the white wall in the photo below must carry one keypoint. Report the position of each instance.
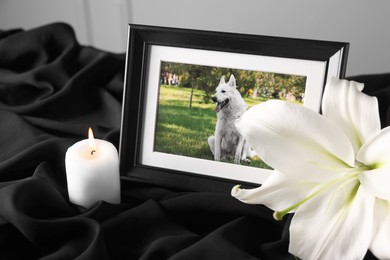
(365, 24)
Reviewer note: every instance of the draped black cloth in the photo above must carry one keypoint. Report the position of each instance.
(51, 90)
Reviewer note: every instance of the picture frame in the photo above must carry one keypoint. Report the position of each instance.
(154, 51)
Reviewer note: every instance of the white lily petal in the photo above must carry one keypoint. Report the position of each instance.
(375, 153)
(377, 182)
(296, 140)
(351, 110)
(334, 225)
(381, 231)
(277, 193)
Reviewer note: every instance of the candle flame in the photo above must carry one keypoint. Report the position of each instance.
(92, 144)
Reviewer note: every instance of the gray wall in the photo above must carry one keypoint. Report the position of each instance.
(365, 24)
(100, 23)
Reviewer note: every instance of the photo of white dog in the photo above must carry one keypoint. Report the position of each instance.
(227, 142)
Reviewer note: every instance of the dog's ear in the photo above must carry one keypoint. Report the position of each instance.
(232, 81)
(222, 81)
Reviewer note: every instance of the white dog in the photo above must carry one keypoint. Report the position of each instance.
(227, 142)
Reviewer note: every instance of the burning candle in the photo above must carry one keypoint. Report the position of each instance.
(92, 172)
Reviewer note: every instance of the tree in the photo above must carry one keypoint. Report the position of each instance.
(206, 78)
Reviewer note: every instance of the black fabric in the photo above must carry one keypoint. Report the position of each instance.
(51, 90)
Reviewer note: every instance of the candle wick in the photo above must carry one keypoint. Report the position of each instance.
(93, 151)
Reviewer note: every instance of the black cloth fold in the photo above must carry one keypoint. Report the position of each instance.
(51, 90)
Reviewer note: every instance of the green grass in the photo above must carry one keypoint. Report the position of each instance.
(184, 131)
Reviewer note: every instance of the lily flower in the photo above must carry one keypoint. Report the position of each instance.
(332, 170)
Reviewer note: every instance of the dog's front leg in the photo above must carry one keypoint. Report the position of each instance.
(239, 150)
(217, 154)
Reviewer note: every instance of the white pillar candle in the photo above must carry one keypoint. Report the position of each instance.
(92, 172)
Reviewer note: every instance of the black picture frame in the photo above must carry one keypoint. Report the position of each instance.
(332, 55)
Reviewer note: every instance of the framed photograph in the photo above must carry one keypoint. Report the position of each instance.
(179, 82)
